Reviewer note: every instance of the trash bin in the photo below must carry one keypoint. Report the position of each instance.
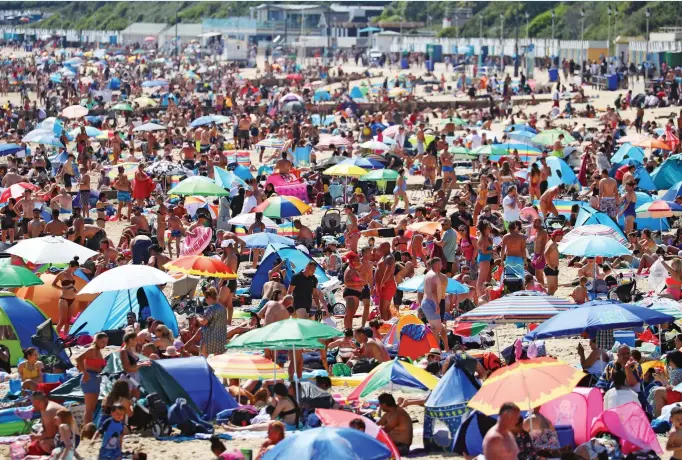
(429, 66)
(404, 64)
(612, 82)
(553, 74)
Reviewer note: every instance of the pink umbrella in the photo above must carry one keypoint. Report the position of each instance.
(16, 191)
(326, 141)
(631, 425)
(150, 39)
(391, 130)
(342, 418)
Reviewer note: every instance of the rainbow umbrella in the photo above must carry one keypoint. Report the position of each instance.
(527, 383)
(287, 229)
(242, 366)
(466, 329)
(201, 266)
(128, 169)
(277, 207)
(395, 376)
(194, 203)
(659, 209)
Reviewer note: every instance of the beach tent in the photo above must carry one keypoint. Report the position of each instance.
(576, 409)
(645, 180)
(322, 95)
(109, 309)
(561, 172)
(590, 216)
(114, 84)
(630, 424)
(355, 93)
(628, 151)
(194, 378)
(46, 297)
(669, 173)
(295, 261)
(447, 404)
(392, 337)
(646, 222)
(469, 437)
(19, 320)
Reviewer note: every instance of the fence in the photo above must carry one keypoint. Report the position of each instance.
(85, 36)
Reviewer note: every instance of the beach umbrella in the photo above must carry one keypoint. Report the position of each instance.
(167, 168)
(416, 284)
(392, 376)
(248, 219)
(659, 209)
(329, 162)
(594, 246)
(342, 419)
(489, 149)
(145, 101)
(526, 383)
(208, 267)
(271, 142)
(47, 139)
(241, 366)
(518, 309)
(381, 175)
(652, 144)
(595, 316)
(325, 442)
(198, 185)
(459, 150)
(338, 141)
(74, 111)
(286, 335)
(278, 207)
(594, 230)
(374, 145)
(154, 83)
(263, 239)
(361, 162)
(129, 169)
(122, 107)
(550, 136)
(345, 170)
(149, 127)
(294, 77)
(14, 276)
(50, 250)
(662, 305)
(9, 149)
(291, 97)
(90, 131)
(427, 228)
(16, 191)
(428, 138)
(520, 127)
(126, 277)
(287, 229)
(467, 329)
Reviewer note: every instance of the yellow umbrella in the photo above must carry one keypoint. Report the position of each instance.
(345, 170)
(397, 92)
(428, 138)
(145, 101)
(104, 135)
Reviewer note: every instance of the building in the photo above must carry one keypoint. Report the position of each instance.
(185, 33)
(138, 31)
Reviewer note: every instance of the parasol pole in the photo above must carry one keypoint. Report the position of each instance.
(295, 374)
(274, 368)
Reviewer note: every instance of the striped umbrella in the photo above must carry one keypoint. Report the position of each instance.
(287, 229)
(465, 329)
(395, 376)
(128, 170)
(518, 309)
(663, 305)
(659, 209)
(271, 142)
(200, 266)
(594, 230)
(243, 366)
(277, 207)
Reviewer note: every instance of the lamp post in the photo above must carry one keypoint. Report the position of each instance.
(582, 38)
(502, 42)
(527, 16)
(608, 28)
(553, 16)
(646, 58)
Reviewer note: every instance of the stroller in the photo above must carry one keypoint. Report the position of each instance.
(331, 223)
(151, 412)
(626, 292)
(47, 340)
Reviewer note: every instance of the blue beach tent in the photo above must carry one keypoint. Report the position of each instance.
(109, 309)
(628, 151)
(295, 261)
(669, 173)
(561, 173)
(355, 93)
(590, 216)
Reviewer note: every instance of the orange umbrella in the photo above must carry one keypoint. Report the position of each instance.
(428, 228)
(201, 266)
(653, 144)
(527, 383)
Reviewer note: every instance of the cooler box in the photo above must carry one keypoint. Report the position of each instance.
(612, 82)
(429, 66)
(553, 74)
(624, 337)
(565, 435)
(404, 64)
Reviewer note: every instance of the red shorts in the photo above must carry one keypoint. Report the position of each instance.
(673, 397)
(35, 449)
(387, 291)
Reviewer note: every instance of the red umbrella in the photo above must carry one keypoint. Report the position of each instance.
(16, 191)
(295, 76)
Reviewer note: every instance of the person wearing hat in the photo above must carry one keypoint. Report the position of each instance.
(172, 352)
(551, 270)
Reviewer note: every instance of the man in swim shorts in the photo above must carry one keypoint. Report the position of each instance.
(551, 269)
(122, 187)
(608, 195)
(432, 296)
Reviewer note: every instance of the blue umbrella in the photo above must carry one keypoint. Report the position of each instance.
(416, 284)
(519, 127)
(261, 240)
(47, 139)
(90, 131)
(227, 179)
(673, 192)
(242, 172)
(329, 442)
(596, 316)
(594, 246)
(9, 149)
(202, 121)
(363, 163)
(154, 83)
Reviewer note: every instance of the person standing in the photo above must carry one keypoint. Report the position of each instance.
(304, 288)
(214, 325)
(90, 364)
(551, 270)
(538, 259)
(449, 244)
(433, 293)
(608, 195)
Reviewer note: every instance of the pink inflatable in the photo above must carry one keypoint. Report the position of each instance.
(577, 409)
(289, 186)
(631, 425)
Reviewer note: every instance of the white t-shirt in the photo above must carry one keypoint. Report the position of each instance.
(614, 398)
(511, 210)
(476, 141)
(250, 202)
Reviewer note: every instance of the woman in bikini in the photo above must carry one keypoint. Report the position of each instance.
(493, 199)
(354, 283)
(101, 207)
(67, 283)
(31, 370)
(482, 197)
(400, 191)
(506, 178)
(485, 254)
(534, 178)
(352, 234)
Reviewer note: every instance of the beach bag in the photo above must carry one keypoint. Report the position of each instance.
(186, 420)
(243, 416)
(364, 365)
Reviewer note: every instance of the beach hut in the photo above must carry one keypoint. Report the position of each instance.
(295, 261)
(669, 173)
(447, 404)
(109, 310)
(576, 409)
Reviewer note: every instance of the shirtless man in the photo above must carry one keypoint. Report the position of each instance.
(446, 160)
(228, 290)
(275, 284)
(176, 231)
(545, 174)
(84, 191)
(499, 443)
(398, 424)
(433, 293)
(276, 310)
(538, 259)
(369, 348)
(552, 261)
(283, 165)
(48, 415)
(443, 307)
(547, 198)
(92, 236)
(305, 235)
(205, 140)
(56, 227)
(36, 227)
(421, 140)
(629, 175)
(609, 198)
(384, 280)
(26, 204)
(514, 249)
(122, 187)
(366, 271)
(63, 202)
(430, 165)
(11, 178)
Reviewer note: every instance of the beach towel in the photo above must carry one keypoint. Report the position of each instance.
(515, 265)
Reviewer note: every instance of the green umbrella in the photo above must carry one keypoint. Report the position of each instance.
(550, 136)
(489, 149)
(286, 335)
(14, 276)
(200, 186)
(456, 121)
(459, 150)
(122, 107)
(381, 174)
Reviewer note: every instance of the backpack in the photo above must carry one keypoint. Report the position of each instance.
(243, 416)
(186, 420)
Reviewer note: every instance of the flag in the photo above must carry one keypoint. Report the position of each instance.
(673, 140)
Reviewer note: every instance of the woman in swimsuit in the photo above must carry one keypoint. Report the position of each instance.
(67, 283)
(467, 246)
(482, 197)
(130, 361)
(629, 204)
(354, 284)
(352, 234)
(505, 178)
(485, 254)
(673, 284)
(647, 242)
(90, 364)
(493, 193)
(257, 227)
(534, 178)
(400, 191)
(30, 370)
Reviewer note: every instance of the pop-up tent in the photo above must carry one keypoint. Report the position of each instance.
(109, 309)
(576, 409)
(448, 404)
(295, 261)
(561, 173)
(46, 297)
(628, 151)
(469, 437)
(669, 173)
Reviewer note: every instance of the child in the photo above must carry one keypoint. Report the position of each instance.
(675, 440)
(111, 432)
(579, 294)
